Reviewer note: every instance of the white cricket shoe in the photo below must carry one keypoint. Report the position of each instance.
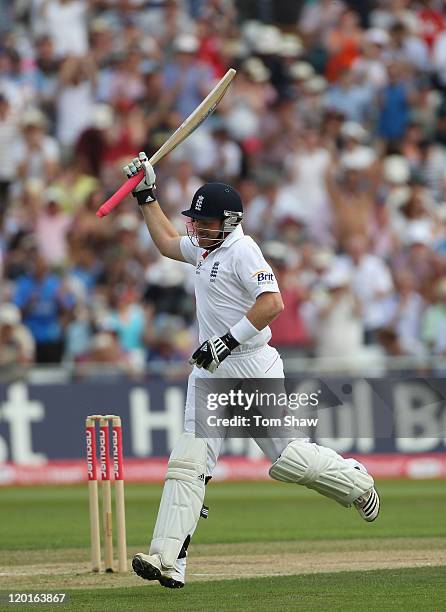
(150, 567)
(368, 504)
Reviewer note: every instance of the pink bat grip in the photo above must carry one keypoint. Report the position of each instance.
(120, 194)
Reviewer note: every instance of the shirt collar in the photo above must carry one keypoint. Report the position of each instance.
(233, 237)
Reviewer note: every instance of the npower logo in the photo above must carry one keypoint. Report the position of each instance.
(117, 442)
(90, 464)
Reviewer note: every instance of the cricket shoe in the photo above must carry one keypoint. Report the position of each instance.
(150, 567)
(368, 504)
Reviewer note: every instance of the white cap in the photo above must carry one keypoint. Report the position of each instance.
(337, 276)
(186, 43)
(418, 233)
(315, 85)
(441, 288)
(52, 194)
(101, 341)
(127, 221)
(33, 116)
(235, 47)
(252, 30)
(396, 169)
(102, 116)
(9, 314)
(301, 71)
(377, 36)
(351, 129)
(290, 46)
(268, 41)
(273, 249)
(358, 159)
(399, 197)
(256, 70)
(34, 186)
(322, 258)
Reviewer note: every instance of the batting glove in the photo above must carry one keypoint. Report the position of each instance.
(145, 192)
(212, 352)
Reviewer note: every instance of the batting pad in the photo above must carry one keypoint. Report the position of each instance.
(182, 498)
(321, 469)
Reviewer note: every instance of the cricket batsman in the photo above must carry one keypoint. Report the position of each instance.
(237, 297)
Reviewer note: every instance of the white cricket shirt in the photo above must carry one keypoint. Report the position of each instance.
(227, 282)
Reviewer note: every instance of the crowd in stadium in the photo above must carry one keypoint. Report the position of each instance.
(334, 132)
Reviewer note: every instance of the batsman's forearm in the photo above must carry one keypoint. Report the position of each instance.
(159, 226)
(266, 308)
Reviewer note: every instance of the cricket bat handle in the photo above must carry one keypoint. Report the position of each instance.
(120, 194)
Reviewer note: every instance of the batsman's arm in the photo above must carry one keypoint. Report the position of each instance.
(163, 233)
(266, 308)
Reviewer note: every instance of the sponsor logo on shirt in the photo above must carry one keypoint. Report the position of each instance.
(199, 264)
(264, 277)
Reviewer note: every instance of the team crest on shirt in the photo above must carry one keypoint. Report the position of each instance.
(264, 277)
(214, 271)
(199, 264)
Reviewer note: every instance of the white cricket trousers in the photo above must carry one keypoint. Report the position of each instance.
(262, 362)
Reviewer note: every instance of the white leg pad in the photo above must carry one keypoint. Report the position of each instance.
(182, 498)
(323, 470)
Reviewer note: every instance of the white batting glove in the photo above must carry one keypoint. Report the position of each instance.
(145, 191)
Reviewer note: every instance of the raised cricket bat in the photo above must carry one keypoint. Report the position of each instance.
(190, 124)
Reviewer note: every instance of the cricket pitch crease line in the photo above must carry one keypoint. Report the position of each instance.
(419, 559)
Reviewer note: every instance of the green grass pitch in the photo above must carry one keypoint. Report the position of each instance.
(265, 546)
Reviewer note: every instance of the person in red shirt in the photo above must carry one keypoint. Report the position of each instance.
(343, 45)
(432, 22)
(289, 334)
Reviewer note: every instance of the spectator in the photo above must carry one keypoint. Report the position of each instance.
(66, 23)
(105, 358)
(307, 166)
(394, 106)
(181, 187)
(41, 297)
(47, 66)
(351, 197)
(406, 308)
(185, 79)
(342, 43)
(51, 229)
(350, 96)
(371, 284)
(9, 132)
(434, 321)
(128, 322)
(36, 154)
(74, 99)
(16, 343)
(340, 329)
(288, 331)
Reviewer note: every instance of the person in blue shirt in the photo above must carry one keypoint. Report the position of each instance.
(41, 297)
(394, 112)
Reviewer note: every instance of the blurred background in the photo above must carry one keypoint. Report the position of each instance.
(334, 132)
